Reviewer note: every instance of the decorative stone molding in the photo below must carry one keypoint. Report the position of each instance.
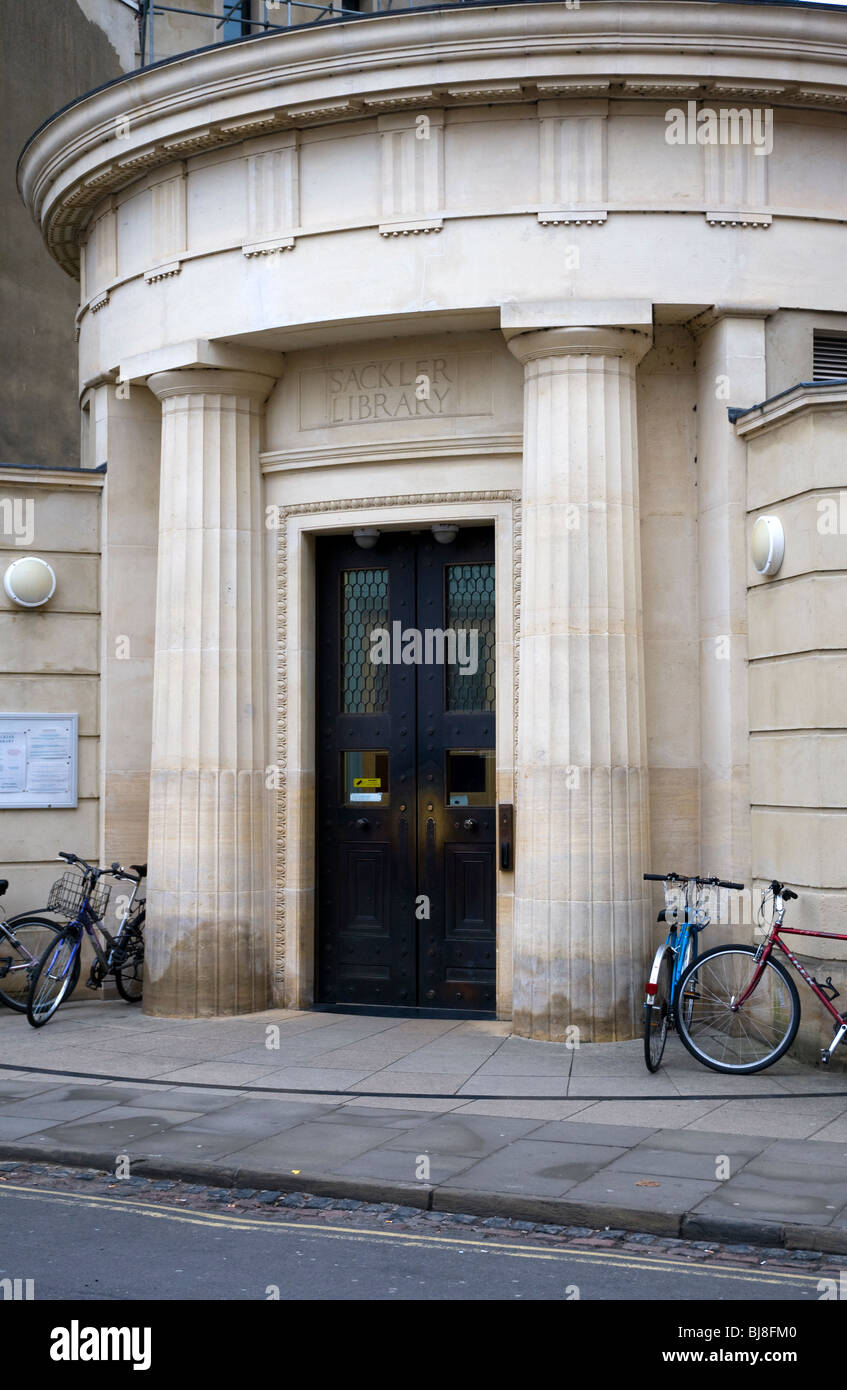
(341, 71)
(736, 178)
(572, 162)
(392, 451)
(788, 405)
(98, 302)
(426, 225)
(488, 91)
(162, 272)
(273, 198)
(412, 149)
(282, 581)
(267, 248)
(395, 101)
(566, 217)
(567, 87)
(170, 219)
(739, 219)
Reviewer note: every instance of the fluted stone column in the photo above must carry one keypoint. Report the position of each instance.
(209, 879)
(582, 812)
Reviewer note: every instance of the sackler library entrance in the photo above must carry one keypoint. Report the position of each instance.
(406, 762)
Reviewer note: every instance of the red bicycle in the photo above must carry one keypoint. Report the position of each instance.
(741, 1007)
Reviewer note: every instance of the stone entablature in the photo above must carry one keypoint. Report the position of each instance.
(197, 174)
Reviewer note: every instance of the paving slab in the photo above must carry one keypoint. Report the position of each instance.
(472, 1135)
(312, 1146)
(525, 1109)
(561, 1134)
(631, 1190)
(576, 1132)
(542, 1169)
(810, 1202)
(398, 1166)
(794, 1117)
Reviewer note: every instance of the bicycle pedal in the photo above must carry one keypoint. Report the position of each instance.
(92, 984)
(824, 1057)
(5, 966)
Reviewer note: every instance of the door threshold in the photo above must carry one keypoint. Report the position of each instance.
(396, 1011)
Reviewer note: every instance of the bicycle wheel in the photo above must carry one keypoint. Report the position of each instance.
(736, 1040)
(129, 975)
(657, 1015)
(53, 978)
(20, 952)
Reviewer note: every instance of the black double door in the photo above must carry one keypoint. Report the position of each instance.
(406, 772)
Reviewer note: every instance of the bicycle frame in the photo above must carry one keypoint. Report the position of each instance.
(87, 923)
(679, 934)
(764, 953)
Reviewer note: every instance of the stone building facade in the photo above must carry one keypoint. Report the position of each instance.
(483, 268)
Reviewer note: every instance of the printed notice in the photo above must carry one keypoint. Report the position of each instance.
(12, 762)
(48, 775)
(38, 760)
(49, 741)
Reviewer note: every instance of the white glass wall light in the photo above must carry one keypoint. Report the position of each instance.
(767, 545)
(29, 581)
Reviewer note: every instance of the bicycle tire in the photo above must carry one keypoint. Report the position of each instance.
(713, 1032)
(657, 1015)
(40, 1007)
(15, 999)
(129, 975)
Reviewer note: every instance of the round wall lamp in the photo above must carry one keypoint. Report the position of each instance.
(366, 536)
(445, 532)
(767, 544)
(29, 582)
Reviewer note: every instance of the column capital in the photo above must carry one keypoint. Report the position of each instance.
(590, 341)
(211, 381)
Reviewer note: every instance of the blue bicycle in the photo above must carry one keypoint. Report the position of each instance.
(687, 910)
(122, 955)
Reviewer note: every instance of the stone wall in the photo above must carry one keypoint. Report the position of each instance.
(50, 662)
(798, 678)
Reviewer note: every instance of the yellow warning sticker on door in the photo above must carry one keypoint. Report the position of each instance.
(367, 781)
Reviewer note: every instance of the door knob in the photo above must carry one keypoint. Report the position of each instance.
(470, 824)
(362, 823)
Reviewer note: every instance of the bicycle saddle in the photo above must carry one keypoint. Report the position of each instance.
(4, 884)
(140, 869)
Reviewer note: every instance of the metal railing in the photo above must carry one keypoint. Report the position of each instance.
(260, 16)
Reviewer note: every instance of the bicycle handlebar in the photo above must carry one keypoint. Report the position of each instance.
(780, 890)
(693, 878)
(75, 859)
(118, 872)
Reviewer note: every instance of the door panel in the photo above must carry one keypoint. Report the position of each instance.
(406, 814)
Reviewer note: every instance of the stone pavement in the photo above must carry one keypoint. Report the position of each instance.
(438, 1114)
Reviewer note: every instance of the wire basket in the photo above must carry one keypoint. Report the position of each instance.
(67, 895)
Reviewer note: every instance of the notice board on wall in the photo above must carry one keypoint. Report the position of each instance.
(38, 760)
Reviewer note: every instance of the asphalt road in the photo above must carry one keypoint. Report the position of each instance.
(78, 1245)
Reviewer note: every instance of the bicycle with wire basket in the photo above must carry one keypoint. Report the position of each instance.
(741, 1007)
(686, 913)
(120, 955)
(23, 940)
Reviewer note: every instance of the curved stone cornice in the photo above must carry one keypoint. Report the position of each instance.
(580, 342)
(645, 49)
